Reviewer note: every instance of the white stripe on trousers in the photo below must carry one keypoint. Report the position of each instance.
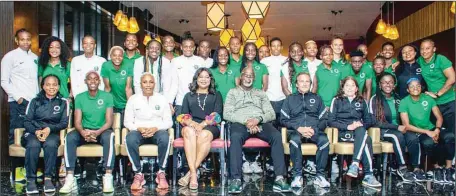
(369, 159)
(363, 144)
(398, 145)
(129, 157)
(167, 153)
(111, 148)
(67, 163)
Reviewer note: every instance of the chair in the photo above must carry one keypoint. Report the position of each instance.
(17, 151)
(386, 149)
(347, 148)
(96, 150)
(309, 148)
(218, 145)
(145, 150)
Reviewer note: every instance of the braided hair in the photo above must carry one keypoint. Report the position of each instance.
(147, 59)
(291, 70)
(379, 97)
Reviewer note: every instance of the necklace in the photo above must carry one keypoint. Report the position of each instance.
(204, 102)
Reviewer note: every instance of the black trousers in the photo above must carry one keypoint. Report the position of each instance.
(239, 135)
(398, 141)
(74, 139)
(362, 147)
(322, 142)
(134, 139)
(443, 149)
(17, 117)
(32, 154)
(277, 106)
(122, 114)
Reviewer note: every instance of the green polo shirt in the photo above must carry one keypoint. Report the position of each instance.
(368, 63)
(224, 82)
(94, 108)
(343, 66)
(118, 81)
(392, 107)
(131, 61)
(419, 112)
(235, 63)
(298, 69)
(364, 74)
(260, 70)
(328, 82)
(390, 68)
(432, 73)
(62, 73)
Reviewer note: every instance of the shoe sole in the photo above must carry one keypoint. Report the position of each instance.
(142, 184)
(370, 185)
(319, 185)
(278, 190)
(49, 190)
(71, 191)
(351, 175)
(32, 192)
(234, 192)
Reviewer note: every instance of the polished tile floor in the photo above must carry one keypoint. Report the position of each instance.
(254, 185)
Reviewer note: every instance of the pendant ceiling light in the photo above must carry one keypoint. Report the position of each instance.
(147, 38)
(215, 16)
(251, 30)
(388, 26)
(118, 17)
(260, 42)
(394, 34)
(452, 9)
(123, 25)
(226, 34)
(133, 26)
(256, 9)
(381, 26)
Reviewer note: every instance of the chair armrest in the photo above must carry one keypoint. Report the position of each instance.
(335, 135)
(116, 121)
(284, 135)
(70, 119)
(62, 134)
(71, 129)
(222, 130)
(117, 136)
(374, 133)
(171, 134)
(18, 135)
(124, 134)
(329, 134)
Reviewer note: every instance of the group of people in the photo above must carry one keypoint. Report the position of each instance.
(411, 100)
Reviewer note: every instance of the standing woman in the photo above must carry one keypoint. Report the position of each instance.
(310, 54)
(46, 115)
(203, 105)
(416, 112)
(384, 108)
(117, 76)
(223, 73)
(337, 45)
(378, 66)
(408, 68)
(327, 78)
(54, 60)
(250, 59)
(294, 66)
(438, 72)
(349, 114)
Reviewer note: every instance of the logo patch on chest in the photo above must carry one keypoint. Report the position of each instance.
(56, 109)
(257, 67)
(123, 73)
(362, 75)
(157, 107)
(100, 102)
(358, 106)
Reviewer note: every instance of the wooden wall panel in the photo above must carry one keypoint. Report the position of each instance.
(25, 16)
(6, 44)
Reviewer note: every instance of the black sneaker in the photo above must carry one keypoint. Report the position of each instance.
(419, 175)
(31, 187)
(281, 186)
(48, 186)
(235, 186)
(406, 175)
(439, 175)
(449, 175)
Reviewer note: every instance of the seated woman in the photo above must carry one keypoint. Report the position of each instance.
(148, 116)
(349, 114)
(93, 121)
(46, 115)
(384, 108)
(415, 111)
(201, 110)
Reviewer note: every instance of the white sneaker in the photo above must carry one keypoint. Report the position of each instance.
(321, 182)
(256, 168)
(334, 167)
(297, 182)
(70, 185)
(310, 168)
(246, 169)
(108, 186)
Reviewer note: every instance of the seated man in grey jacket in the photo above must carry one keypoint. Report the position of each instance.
(251, 115)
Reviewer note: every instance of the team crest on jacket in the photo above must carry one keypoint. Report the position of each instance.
(157, 107)
(123, 72)
(100, 101)
(418, 70)
(312, 100)
(56, 108)
(358, 105)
